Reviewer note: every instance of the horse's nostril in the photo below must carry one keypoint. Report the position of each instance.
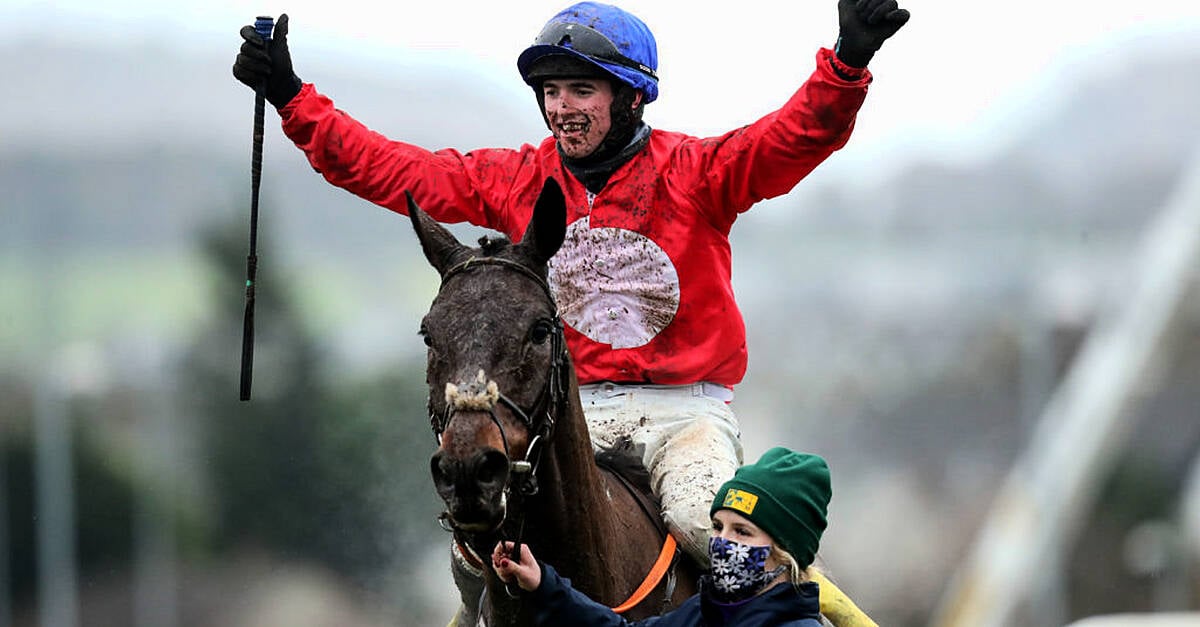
(492, 468)
(436, 469)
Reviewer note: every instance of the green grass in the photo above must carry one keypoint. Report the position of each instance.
(91, 298)
(96, 299)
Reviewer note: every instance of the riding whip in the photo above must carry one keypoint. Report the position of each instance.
(264, 26)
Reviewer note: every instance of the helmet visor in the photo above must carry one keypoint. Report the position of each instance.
(590, 42)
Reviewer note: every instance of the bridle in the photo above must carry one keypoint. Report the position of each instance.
(539, 419)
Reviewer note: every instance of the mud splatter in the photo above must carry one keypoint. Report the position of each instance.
(613, 285)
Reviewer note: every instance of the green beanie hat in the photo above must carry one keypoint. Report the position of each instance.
(787, 495)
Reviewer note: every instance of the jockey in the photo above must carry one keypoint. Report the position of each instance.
(643, 280)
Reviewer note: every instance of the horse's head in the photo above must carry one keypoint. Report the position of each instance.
(496, 360)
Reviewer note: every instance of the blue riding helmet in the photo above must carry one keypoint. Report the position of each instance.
(604, 36)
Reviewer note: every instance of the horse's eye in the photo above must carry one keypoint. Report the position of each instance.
(540, 331)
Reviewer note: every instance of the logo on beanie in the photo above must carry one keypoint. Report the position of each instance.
(743, 502)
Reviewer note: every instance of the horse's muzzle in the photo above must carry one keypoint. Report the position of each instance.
(473, 489)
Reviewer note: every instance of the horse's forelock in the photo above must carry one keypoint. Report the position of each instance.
(491, 246)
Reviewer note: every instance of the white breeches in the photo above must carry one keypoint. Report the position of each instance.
(688, 439)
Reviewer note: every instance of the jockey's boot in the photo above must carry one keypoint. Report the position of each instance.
(469, 580)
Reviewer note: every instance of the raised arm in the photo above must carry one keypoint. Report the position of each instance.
(769, 157)
(454, 187)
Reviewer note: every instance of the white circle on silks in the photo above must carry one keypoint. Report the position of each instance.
(613, 285)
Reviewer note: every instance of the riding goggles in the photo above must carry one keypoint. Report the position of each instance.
(590, 42)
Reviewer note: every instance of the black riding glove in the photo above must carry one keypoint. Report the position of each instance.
(258, 64)
(864, 26)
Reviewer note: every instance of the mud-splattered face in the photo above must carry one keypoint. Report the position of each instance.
(579, 113)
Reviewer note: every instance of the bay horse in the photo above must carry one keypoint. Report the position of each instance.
(514, 458)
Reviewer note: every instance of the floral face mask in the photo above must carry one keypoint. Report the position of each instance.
(739, 571)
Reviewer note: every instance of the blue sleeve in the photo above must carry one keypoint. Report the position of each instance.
(556, 603)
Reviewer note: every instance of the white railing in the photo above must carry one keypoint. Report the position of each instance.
(1052, 485)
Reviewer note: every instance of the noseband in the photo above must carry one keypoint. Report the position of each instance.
(539, 419)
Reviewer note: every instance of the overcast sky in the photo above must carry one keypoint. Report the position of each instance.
(956, 74)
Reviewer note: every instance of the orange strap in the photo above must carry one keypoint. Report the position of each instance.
(651, 581)
(469, 555)
(648, 584)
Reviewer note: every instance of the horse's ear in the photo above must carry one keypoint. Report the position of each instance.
(437, 242)
(548, 226)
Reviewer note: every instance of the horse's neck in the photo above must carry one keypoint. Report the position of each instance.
(570, 511)
(565, 524)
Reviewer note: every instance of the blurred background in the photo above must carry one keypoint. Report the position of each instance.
(983, 311)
